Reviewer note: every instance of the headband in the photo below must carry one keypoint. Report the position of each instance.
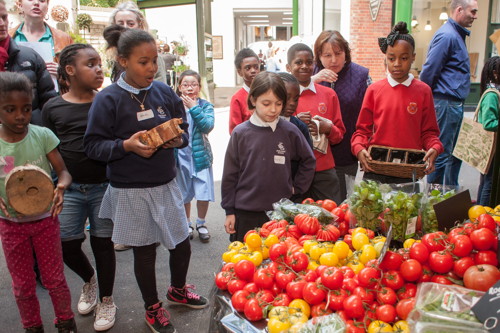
(384, 42)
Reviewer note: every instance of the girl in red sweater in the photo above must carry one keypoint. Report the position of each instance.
(397, 111)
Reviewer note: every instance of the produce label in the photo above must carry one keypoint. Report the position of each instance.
(487, 308)
(411, 227)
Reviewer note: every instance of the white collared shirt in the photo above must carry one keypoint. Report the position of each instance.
(247, 88)
(311, 87)
(406, 82)
(254, 119)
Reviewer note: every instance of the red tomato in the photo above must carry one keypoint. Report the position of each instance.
(222, 278)
(332, 278)
(411, 270)
(440, 262)
(319, 310)
(386, 313)
(319, 203)
(349, 284)
(282, 299)
(461, 245)
(239, 299)
(461, 265)
(251, 287)
(481, 277)
(263, 278)
(368, 277)
(282, 278)
(441, 279)
(336, 299)
(320, 269)
(308, 201)
(303, 238)
(370, 233)
(244, 270)
(307, 224)
(329, 205)
(355, 327)
(456, 231)
(328, 233)
(348, 241)
(348, 272)
(404, 307)
(392, 261)
(353, 307)
(482, 239)
(435, 241)
(273, 224)
(294, 289)
(263, 232)
(253, 310)
(313, 293)
(228, 267)
(310, 275)
(298, 261)
(393, 279)
(264, 296)
(366, 295)
(426, 274)
(386, 296)
(343, 228)
(274, 267)
(469, 227)
(235, 285)
(339, 213)
(486, 257)
(486, 221)
(277, 252)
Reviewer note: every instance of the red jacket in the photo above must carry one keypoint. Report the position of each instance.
(238, 109)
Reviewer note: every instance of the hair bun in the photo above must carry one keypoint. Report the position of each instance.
(401, 27)
(112, 34)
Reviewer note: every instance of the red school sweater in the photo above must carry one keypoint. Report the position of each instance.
(400, 116)
(238, 109)
(324, 103)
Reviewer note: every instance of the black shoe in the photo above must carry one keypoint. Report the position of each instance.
(158, 319)
(203, 233)
(66, 326)
(34, 329)
(191, 230)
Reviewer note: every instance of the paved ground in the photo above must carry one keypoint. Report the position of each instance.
(205, 262)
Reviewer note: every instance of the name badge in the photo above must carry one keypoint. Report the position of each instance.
(143, 115)
(279, 159)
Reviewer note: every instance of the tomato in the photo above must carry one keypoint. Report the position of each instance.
(235, 285)
(469, 228)
(339, 213)
(348, 272)
(336, 299)
(461, 265)
(343, 227)
(401, 326)
(348, 241)
(329, 205)
(387, 296)
(263, 278)
(313, 293)
(353, 307)
(359, 240)
(277, 252)
(405, 253)
(305, 238)
(282, 299)
(404, 307)
(222, 278)
(440, 262)
(332, 278)
(486, 221)
(298, 261)
(368, 252)
(391, 261)
(426, 274)
(441, 279)
(393, 279)
(368, 277)
(244, 270)
(299, 305)
(486, 257)
(310, 275)
(461, 245)
(386, 313)
(409, 290)
(435, 241)
(253, 310)
(349, 284)
(354, 327)
(475, 211)
(271, 225)
(307, 224)
(278, 324)
(482, 239)
(308, 201)
(329, 259)
(319, 310)
(284, 277)
(378, 326)
(356, 266)
(294, 289)
(411, 270)
(239, 299)
(251, 287)
(366, 295)
(328, 233)
(481, 277)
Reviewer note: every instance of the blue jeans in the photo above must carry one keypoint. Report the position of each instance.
(485, 184)
(82, 201)
(449, 117)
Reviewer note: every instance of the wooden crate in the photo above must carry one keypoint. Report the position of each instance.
(397, 162)
(165, 132)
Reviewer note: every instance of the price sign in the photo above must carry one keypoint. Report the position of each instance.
(487, 309)
(388, 239)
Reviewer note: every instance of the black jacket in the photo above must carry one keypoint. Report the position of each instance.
(26, 61)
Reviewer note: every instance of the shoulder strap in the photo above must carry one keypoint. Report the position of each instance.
(478, 107)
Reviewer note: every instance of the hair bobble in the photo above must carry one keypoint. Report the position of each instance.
(383, 43)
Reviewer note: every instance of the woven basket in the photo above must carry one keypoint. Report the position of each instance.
(386, 166)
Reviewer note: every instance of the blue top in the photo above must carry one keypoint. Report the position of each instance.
(447, 68)
(46, 38)
(113, 118)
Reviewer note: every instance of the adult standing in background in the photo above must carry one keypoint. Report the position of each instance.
(129, 15)
(447, 72)
(334, 68)
(169, 60)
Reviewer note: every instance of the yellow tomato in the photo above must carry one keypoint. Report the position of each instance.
(226, 256)
(497, 209)
(265, 252)
(299, 305)
(238, 257)
(271, 240)
(277, 325)
(235, 245)
(368, 252)
(378, 239)
(316, 251)
(496, 218)
(254, 241)
(356, 266)
(408, 243)
(328, 246)
(329, 259)
(489, 210)
(475, 211)
(256, 257)
(308, 244)
(378, 326)
(313, 264)
(297, 317)
(359, 239)
(341, 249)
(278, 311)
(378, 247)
(401, 326)
(359, 230)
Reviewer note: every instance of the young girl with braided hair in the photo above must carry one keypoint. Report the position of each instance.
(397, 111)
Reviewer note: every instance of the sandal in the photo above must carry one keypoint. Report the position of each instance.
(203, 233)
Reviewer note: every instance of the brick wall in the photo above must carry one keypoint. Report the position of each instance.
(364, 34)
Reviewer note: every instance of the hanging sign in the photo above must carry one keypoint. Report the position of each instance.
(374, 7)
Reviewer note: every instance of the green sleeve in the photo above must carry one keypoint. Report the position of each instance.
(488, 114)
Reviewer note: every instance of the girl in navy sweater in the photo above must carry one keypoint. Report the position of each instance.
(143, 198)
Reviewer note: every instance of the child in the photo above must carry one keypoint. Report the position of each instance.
(319, 108)
(397, 111)
(194, 162)
(259, 153)
(66, 116)
(20, 144)
(143, 198)
(248, 66)
(488, 116)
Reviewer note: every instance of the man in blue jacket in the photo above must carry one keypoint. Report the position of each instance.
(447, 72)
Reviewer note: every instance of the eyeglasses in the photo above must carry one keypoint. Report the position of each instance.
(192, 85)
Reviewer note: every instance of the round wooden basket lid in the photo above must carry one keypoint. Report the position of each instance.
(29, 190)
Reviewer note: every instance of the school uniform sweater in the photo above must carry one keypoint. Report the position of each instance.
(114, 117)
(238, 109)
(400, 116)
(257, 167)
(325, 103)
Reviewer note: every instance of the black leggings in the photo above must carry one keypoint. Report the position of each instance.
(145, 270)
(105, 261)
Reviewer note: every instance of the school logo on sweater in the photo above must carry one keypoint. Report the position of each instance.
(161, 113)
(322, 108)
(412, 108)
(280, 157)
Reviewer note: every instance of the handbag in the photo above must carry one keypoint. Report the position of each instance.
(476, 146)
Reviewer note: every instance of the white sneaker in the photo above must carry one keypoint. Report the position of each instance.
(105, 314)
(88, 297)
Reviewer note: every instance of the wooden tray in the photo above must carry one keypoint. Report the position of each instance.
(397, 162)
(165, 132)
(29, 190)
